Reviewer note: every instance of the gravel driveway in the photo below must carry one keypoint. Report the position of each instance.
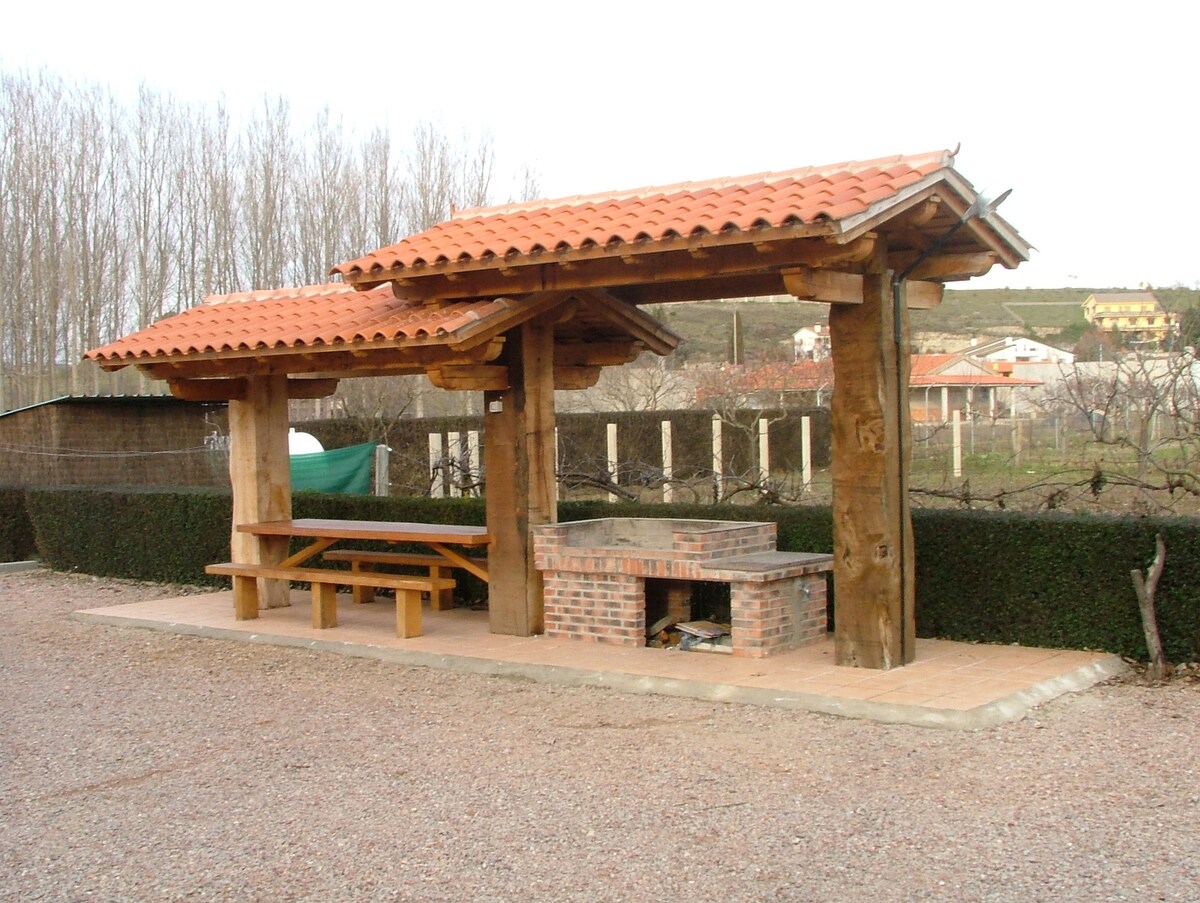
(136, 765)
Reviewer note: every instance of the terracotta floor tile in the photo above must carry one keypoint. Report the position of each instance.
(946, 676)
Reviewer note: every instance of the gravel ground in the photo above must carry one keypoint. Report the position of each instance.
(135, 765)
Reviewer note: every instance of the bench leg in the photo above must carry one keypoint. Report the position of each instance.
(324, 605)
(408, 612)
(443, 599)
(245, 597)
(361, 593)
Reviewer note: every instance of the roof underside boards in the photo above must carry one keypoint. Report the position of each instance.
(700, 240)
(334, 330)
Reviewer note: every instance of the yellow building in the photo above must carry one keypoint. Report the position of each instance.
(1138, 316)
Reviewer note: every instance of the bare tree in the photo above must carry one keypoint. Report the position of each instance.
(648, 384)
(267, 162)
(442, 178)
(115, 215)
(1145, 411)
(378, 402)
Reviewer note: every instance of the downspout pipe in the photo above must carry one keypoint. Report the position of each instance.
(981, 207)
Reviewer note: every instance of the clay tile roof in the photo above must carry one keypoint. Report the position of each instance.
(808, 196)
(925, 364)
(312, 316)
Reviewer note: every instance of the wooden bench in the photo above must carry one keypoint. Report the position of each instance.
(324, 587)
(360, 559)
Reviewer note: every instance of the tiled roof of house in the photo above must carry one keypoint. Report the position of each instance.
(804, 376)
(1122, 296)
(312, 316)
(926, 364)
(935, 380)
(812, 195)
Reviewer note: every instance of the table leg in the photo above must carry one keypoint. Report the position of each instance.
(361, 593)
(408, 612)
(324, 605)
(442, 599)
(245, 597)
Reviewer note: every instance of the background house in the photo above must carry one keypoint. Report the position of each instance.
(811, 343)
(943, 383)
(1002, 354)
(1137, 316)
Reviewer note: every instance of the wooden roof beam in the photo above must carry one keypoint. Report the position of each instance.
(477, 377)
(665, 264)
(576, 377)
(598, 354)
(377, 362)
(807, 284)
(640, 326)
(945, 266)
(922, 295)
(697, 244)
(235, 389)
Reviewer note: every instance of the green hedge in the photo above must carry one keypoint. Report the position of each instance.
(1055, 580)
(141, 534)
(16, 532)
(1037, 580)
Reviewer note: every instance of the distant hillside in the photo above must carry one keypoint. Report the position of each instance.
(768, 324)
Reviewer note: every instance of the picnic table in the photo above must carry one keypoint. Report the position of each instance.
(446, 541)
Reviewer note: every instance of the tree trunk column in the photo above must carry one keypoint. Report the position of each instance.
(874, 623)
(521, 491)
(260, 472)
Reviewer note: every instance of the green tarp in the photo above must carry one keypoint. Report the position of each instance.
(346, 470)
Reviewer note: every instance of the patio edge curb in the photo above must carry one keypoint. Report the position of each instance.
(1010, 708)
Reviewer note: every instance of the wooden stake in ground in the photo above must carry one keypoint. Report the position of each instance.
(1145, 589)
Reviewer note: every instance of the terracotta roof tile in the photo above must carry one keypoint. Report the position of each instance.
(774, 200)
(310, 316)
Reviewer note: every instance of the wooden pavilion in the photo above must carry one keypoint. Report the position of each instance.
(518, 300)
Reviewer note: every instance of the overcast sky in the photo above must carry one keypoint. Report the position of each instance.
(1088, 111)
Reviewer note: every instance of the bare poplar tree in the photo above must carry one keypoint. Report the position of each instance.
(267, 160)
(114, 215)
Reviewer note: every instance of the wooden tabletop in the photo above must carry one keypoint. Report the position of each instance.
(387, 531)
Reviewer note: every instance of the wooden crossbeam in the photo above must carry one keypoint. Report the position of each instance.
(477, 377)
(923, 295)
(823, 285)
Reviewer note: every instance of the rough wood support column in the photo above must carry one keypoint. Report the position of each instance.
(260, 472)
(874, 625)
(521, 490)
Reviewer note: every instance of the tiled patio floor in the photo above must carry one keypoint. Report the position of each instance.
(951, 685)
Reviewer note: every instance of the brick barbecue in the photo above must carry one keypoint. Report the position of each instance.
(599, 575)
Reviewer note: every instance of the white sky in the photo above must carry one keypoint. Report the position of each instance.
(1088, 111)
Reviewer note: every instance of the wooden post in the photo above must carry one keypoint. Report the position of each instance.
(613, 463)
(764, 450)
(521, 489)
(454, 463)
(471, 459)
(260, 474)
(437, 470)
(872, 530)
(383, 483)
(668, 464)
(806, 453)
(718, 460)
(957, 434)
